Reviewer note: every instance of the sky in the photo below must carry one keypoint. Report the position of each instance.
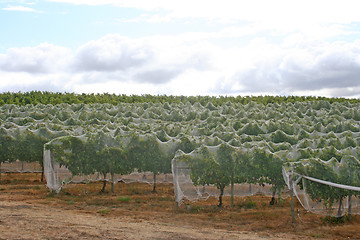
(197, 47)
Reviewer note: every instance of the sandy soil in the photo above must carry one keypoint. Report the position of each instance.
(21, 220)
(29, 211)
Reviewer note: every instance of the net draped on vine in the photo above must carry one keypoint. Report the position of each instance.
(326, 187)
(100, 159)
(302, 137)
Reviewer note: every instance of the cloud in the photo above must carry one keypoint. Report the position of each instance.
(334, 66)
(19, 8)
(22, 81)
(155, 60)
(176, 65)
(157, 76)
(111, 53)
(330, 68)
(44, 58)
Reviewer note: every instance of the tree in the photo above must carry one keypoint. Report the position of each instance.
(112, 160)
(29, 147)
(206, 170)
(319, 192)
(75, 154)
(273, 175)
(265, 167)
(146, 154)
(6, 147)
(228, 162)
(109, 156)
(349, 174)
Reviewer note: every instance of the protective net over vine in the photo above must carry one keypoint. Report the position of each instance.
(97, 139)
(101, 157)
(220, 171)
(327, 187)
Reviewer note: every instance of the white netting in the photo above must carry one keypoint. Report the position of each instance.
(280, 133)
(58, 174)
(185, 188)
(321, 196)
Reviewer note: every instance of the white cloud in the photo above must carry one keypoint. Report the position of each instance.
(177, 65)
(44, 58)
(19, 8)
(111, 53)
(155, 60)
(22, 81)
(330, 69)
(157, 76)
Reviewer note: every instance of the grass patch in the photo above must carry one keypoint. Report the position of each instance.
(135, 190)
(14, 181)
(104, 211)
(166, 198)
(333, 220)
(51, 194)
(124, 199)
(194, 209)
(139, 200)
(102, 201)
(248, 204)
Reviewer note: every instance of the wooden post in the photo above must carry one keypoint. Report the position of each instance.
(104, 183)
(350, 195)
(340, 205)
(349, 206)
(232, 194)
(279, 195)
(154, 188)
(292, 197)
(112, 182)
(42, 173)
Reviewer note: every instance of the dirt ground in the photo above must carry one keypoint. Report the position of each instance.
(29, 211)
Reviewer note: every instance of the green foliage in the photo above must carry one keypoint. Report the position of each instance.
(74, 153)
(279, 136)
(333, 220)
(147, 155)
(186, 145)
(253, 136)
(344, 172)
(28, 147)
(219, 169)
(248, 204)
(36, 97)
(251, 129)
(7, 143)
(206, 170)
(124, 199)
(98, 153)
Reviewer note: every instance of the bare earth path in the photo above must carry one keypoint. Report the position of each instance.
(22, 220)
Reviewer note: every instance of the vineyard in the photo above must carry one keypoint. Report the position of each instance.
(206, 149)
